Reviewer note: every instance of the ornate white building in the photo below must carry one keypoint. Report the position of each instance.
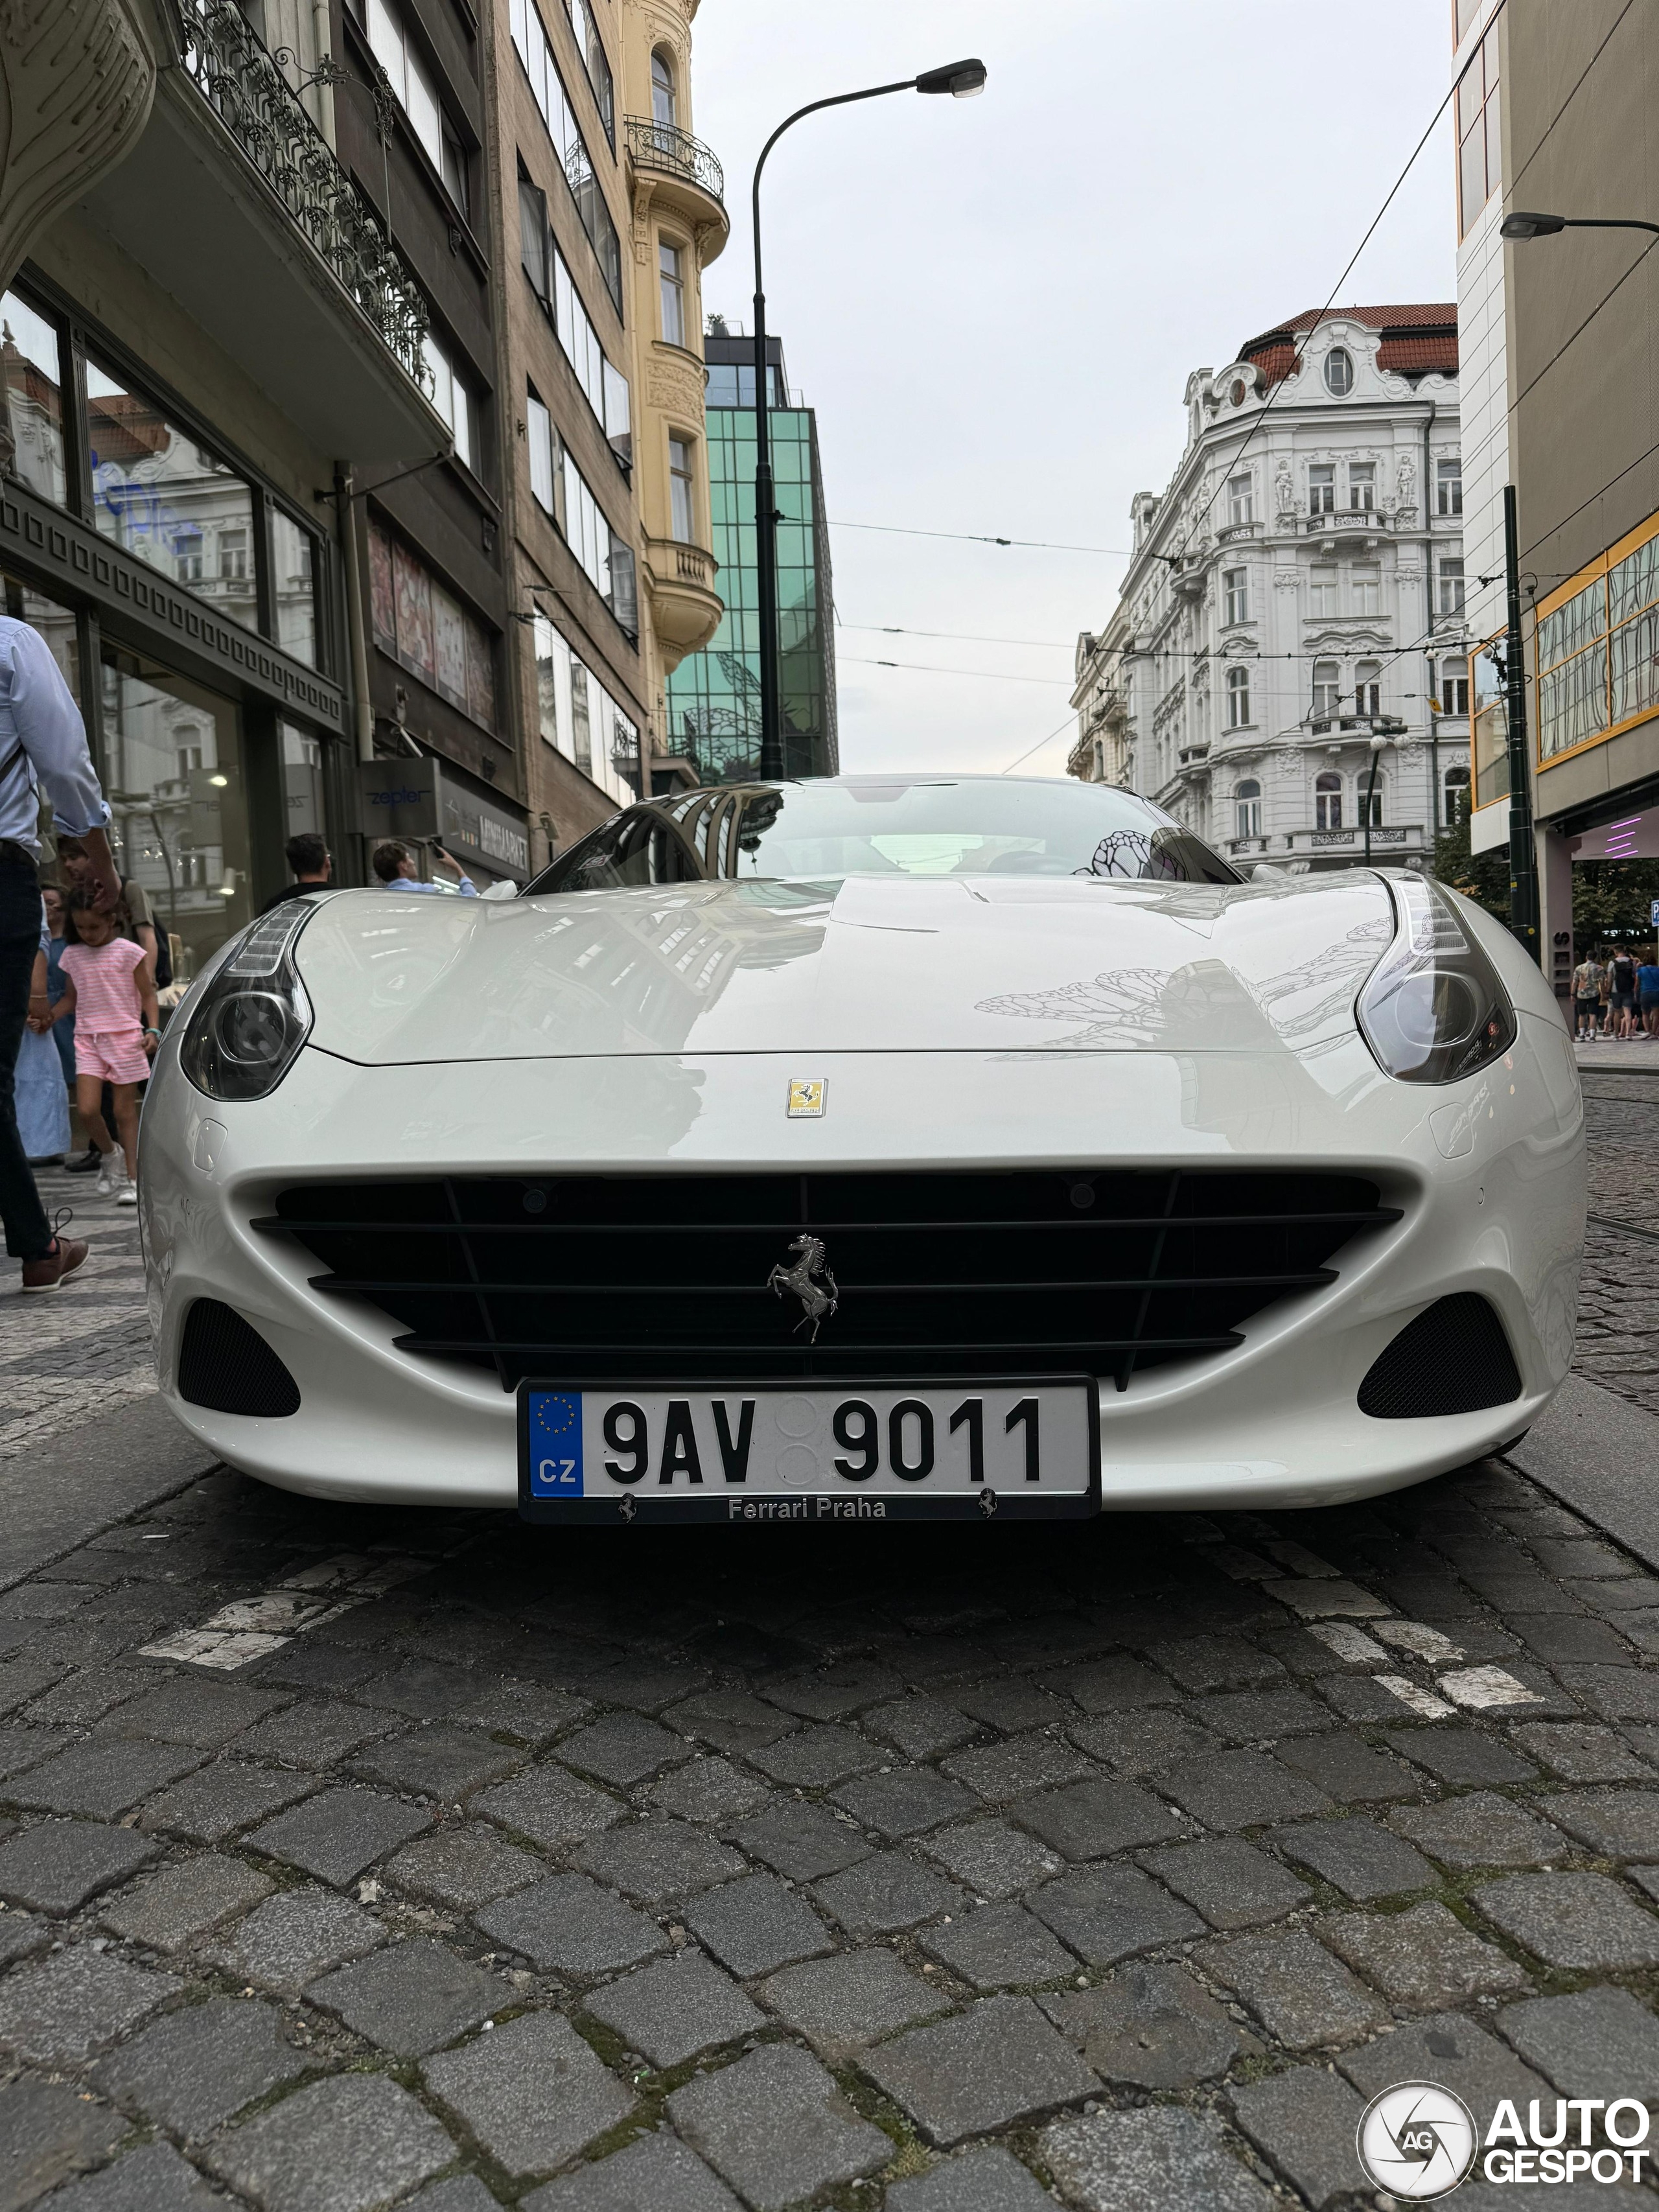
(1292, 617)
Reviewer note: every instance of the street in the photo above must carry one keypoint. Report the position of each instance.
(931, 1867)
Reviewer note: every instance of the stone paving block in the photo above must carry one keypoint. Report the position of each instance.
(993, 1859)
(1423, 1958)
(532, 1713)
(570, 1925)
(756, 1925)
(843, 2003)
(1241, 1790)
(1157, 2161)
(1111, 1686)
(999, 2062)
(296, 1935)
(886, 1893)
(185, 1900)
(1358, 1698)
(1614, 1824)
(84, 1696)
(351, 2144)
(675, 2008)
(1579, 1751)
(23, 1934)
(458, 2192)
(1481, 1830)
(802, 1842)
(710, 1789)
(1150, 2027)
(1347, 1770)
(776, 2127)
(623, 1748)
(1230, 1883)
(1301, 1995)
(1306, 2123)
(830, 1694)
(463, 1867)
(311, 1662)
(316, 1732)
(338, 1832)
(550, 1806)
(411, 1997)
(999, 1947)
(730, 1720)
(1448, 2049)
(49, 2134)
(74, 2003)
(425, 1689)
(153, 2178)
(1138, 1743)
(1109, 1913)
(655, 1861)
(906, 1802)
(919, 1726)
(816, 1758)
(1358, 1857)
(102, 1780)
(985, 2179)
(195, 2068)
(1202, 1663)
(22, 1680)
(532, 2093)
(1599, 2043)
(1617, 1693)
(1022, 1764)
(655, 2173)
(1554, 1637)
(1463, 1757)
(57, 1865)
(1573, 1920)
(195, 1709)
(447, 1764)
(1010, 1704)
(1093, 1818)
(22, 1748)
(645, 1685)
(217, 1801)
(1261, 1715)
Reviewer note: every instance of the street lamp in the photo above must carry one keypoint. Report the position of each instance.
(961, 80)
(1518, 227)
(1377, 743)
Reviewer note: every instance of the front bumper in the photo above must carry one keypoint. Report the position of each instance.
(1490, 1174)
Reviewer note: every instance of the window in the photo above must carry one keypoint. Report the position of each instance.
(1321, 487)
(560, 487)
(1367, 688)
(595, 63)
(672, 289)
(1369, 801)
(1238, 698)
(1327, 799)
(1338, 372)
(233, 556)
(575, 164)
(31, 372)
(188, 745)
(664, 108)
(602, 384)
(449, 395)
(538, 431)
(573, 705)
(417, 97)
(1480, 135)
(1361, 486)
(1322, 592)
(1451, 587)
(187, 549)
(1366, 580)
(1327, 688)
(1455, 786)
(679, 488)
(1247, 799)
(729, 386)
(1236, 595)
(1454, 692)
(1449, 487)
(294, 581)
(1240, 501)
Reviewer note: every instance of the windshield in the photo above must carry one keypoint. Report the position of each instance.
(912, 826)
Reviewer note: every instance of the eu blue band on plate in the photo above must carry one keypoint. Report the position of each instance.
(555, 1443)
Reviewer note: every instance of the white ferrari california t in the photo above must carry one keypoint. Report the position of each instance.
(876, 1147)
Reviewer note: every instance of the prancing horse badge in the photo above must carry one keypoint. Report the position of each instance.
(806, 1097)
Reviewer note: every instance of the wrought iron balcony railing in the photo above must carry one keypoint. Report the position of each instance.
(660, 146)
(247, 90)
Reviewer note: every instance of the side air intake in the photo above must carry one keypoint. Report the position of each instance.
(1453, 1359)
(225, 1364)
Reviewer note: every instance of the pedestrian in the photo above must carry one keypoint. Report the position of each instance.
(43, 1122)
(396, 866)
(62, 1033)
(134, 919)
(1647, 991)
(1621, 987)
(312, 864)
(43, 746)
(111, 994)
(1604, 990)
(1586, 994)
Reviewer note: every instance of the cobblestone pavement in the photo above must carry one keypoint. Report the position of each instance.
(1618, 1342)
(1121, 1864)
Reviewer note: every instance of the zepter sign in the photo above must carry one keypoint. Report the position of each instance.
(1416, 2141)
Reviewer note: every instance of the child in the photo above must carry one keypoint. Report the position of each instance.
(111, 995)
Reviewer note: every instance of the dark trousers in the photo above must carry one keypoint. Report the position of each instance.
(28, 1233)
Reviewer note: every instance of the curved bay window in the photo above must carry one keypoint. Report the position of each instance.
(1247, 804)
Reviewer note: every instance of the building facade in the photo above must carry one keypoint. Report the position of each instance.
(713, 696)
(1288, 655)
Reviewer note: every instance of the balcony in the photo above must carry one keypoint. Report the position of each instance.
(1349, 526)
(672, 167)
(1388, 840)
(1357, 726)
(685, 608)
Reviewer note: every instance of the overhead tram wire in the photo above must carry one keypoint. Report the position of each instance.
(928, 668)
(980, 537)
(958, 636)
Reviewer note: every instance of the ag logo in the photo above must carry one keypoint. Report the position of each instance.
(1416, 2141)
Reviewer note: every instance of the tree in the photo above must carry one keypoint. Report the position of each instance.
(1482, 876)
(1612, 900)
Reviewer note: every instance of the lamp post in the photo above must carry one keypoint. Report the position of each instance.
(962, 80)
(1377, 743)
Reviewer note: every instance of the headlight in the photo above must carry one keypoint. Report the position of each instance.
(254, 1014)
(1433, 1010)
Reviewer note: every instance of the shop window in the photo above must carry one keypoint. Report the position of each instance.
(31, 368)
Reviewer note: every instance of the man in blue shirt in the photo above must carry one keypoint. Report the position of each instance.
(43, 747)
(1647, 990)
(397, 869)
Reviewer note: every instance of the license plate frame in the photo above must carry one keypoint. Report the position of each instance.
(636, 1504)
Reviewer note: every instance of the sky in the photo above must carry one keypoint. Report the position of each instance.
(994, 304)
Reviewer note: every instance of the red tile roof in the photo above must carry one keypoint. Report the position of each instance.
(1415, 338)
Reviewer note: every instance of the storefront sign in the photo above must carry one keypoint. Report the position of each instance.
(416, 798)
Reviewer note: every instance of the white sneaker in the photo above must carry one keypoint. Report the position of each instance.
(106, 1182)
(126, 1191)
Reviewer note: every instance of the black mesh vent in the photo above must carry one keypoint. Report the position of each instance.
(225, 1364)
(943, 1272)
(1455, 1358)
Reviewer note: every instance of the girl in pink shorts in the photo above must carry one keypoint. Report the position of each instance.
(111, 995)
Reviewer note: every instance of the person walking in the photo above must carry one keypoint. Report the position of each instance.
(62, 1033)
(1586, 994)
(1604, 992)
(43, 747)
(1621, 991)
(312, 864)
(1647, 991)
(42, 1102)
(397, 868)
(111, 995)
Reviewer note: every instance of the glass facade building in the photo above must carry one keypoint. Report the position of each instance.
(713, 696)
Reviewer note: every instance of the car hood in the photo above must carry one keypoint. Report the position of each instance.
(873, 964)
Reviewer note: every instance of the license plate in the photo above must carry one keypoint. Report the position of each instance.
(754, 1452)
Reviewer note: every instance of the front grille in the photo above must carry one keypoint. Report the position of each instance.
(1024, 1272)
(225, 1364)
(1453, 1358)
